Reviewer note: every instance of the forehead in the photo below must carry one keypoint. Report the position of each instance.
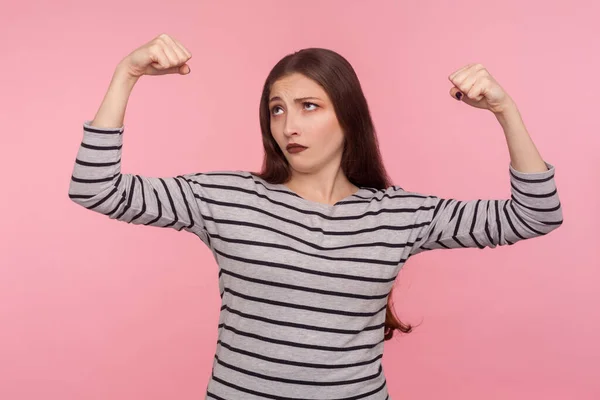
(296, 85)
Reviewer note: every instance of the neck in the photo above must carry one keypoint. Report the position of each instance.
(328, 185)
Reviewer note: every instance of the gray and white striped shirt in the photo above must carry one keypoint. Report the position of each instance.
(304, 285)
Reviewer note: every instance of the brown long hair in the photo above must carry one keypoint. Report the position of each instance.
(361, 160)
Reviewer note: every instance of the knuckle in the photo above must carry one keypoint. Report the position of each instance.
(156, 48)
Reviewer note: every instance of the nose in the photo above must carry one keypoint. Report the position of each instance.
(290, 127)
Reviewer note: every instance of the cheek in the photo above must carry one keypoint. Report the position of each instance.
(331, 132)
(276, 132)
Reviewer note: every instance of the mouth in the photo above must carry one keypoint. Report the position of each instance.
(295, 148)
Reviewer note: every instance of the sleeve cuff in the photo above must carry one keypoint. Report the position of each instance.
(533, 175)
(87, 125)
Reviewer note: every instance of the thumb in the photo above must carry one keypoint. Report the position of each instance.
(181, 70)
(184, 69)
(456, 93)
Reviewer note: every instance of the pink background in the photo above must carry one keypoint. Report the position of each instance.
(95, 309)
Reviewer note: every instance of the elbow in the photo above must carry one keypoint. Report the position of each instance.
(557, 218)
(75, 193)
(541, 221)
(552, 226)
(80, 199)
(551, 222)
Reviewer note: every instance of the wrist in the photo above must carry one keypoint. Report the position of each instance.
(123, 77)
(507, 113)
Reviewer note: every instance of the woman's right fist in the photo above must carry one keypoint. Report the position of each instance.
(162, 55)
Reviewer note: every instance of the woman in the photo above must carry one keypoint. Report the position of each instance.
(309, 248)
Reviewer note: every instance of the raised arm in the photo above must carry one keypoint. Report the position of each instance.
(97, 182)
(534, 208)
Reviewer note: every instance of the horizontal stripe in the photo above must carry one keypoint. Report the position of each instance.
(303, 288)
(295, 363)
(321, 256)
(537, 209)
(80, 196)
(315, 246)
(534, 195)
(407, 210)
(531, 180)
(97, 164)
(96, 180)
(297, 381)
(269, 396)
(104, 148)
(305, 270)
(302, 306)
(254, 193)
(301, 326)
(296, 344)
(103, 130)
(324, 232)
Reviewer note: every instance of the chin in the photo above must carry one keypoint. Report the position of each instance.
(302, 169)
(305, 167)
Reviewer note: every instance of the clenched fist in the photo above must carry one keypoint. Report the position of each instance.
(162, 55)
(474, 85)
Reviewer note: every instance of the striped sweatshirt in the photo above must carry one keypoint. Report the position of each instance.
(303, 284)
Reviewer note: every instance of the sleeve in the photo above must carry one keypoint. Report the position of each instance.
(532, 210)
(98, 185)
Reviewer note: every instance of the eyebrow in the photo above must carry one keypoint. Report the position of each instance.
(297, 100)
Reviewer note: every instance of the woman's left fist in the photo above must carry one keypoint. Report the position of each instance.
(474, 85)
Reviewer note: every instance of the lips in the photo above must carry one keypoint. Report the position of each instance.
(295, 147)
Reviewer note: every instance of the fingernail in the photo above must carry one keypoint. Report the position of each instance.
(458, 95)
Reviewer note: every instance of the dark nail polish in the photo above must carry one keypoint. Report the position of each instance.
(458, 95)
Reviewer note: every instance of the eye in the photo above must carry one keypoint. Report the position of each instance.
(274, 110)
(306, 103)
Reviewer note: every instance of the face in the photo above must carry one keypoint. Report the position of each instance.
(302, 113)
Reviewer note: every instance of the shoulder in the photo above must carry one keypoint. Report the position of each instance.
(224, 178)
(394, 195)
(230, 181)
